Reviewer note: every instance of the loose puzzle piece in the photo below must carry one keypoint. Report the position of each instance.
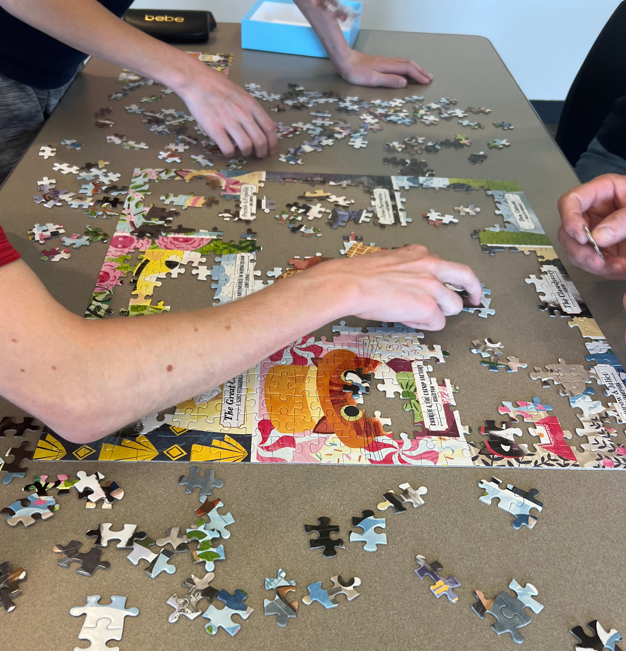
(508, 611)
(205, 553)
(205, 483)
(90, 488)
(141, 551)
(368, 523)
(513, 500)
(14, 468)
(408, 495)
(328, 598)
(9, 587)
(283, 605)
(103, 622)
(126, 536)
(161, 564)
(187, 605)
(441, 586)
(323, 528)
(89, 561)
(217, 521)
(9, 424)
(178, 543)
(28, 511)
(598, 640)
(222, 618)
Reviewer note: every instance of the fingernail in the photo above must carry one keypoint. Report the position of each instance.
(604, 233)
(615, 266)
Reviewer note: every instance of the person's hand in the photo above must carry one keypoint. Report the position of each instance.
(404, 285)
(228, 113)
(601, 206)
(368, 70)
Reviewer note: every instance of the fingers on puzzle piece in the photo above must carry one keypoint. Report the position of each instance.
(197, 589)
(222, 618)
(324, 529)
(368, 523)
(9, 588)
(284, 604)
(441, 586)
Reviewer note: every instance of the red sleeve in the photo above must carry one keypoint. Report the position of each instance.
(7, 252)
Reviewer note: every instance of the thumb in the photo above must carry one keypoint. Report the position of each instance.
(612, 229)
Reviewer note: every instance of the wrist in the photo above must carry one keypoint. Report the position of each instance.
(335, 292)
(184, 74)
(344, 60)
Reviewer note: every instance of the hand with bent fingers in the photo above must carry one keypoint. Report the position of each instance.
(369, 70)
(601, 206)
(228, 113)
(403, 285)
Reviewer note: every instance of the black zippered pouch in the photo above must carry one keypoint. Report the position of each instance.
(171, 25)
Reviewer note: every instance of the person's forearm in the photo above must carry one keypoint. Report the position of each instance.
(97, 376)
(89, 27)
(328, 31)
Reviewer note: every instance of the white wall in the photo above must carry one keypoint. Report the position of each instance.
(543, 42)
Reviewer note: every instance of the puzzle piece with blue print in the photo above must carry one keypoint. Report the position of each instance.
(372, 538)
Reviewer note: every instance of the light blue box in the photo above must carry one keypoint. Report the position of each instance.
(278, 26)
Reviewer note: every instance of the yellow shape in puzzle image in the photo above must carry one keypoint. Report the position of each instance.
(232, 410)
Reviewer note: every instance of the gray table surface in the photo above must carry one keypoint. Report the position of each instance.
(573, 555)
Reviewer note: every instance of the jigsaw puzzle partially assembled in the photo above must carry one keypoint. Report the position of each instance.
(310, 401)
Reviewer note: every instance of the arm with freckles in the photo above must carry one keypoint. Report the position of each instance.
(87, 378)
